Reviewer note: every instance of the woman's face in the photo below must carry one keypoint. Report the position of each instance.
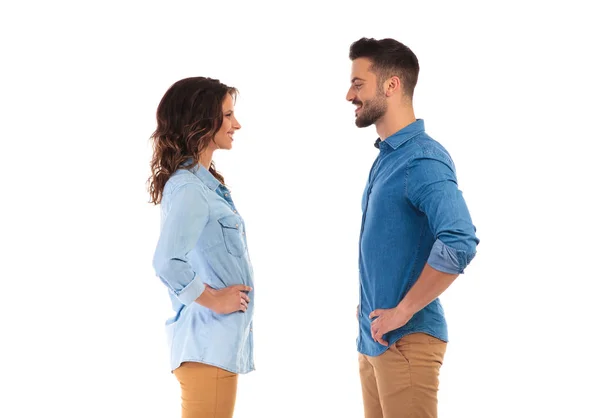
(224, 137)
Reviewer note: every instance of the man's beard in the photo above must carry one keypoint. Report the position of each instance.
(371, 111)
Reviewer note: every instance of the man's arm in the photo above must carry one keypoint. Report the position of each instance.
(432, 189)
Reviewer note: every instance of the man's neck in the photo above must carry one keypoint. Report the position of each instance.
(392, 122)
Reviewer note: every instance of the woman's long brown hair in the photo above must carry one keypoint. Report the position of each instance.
(188, 116)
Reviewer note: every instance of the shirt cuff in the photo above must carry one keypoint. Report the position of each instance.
(191, 292)
(447, 259)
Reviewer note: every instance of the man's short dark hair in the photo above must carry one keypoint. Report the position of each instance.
(389, 58)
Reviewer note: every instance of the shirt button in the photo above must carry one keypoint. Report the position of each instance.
(236, 225)
(235, 211)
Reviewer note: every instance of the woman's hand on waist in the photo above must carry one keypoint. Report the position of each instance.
(227, 300)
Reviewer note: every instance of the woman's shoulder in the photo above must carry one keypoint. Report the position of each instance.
(183, 178)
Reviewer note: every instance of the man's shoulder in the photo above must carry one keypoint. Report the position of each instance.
(424, 146)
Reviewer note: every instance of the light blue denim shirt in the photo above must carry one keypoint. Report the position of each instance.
(203, 241)
(413, 213)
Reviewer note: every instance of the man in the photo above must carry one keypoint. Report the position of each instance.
(416, 237)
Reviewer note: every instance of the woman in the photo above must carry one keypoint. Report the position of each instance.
(201, 255)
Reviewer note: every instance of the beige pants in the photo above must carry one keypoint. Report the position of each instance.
(403, 381)
(206, 391)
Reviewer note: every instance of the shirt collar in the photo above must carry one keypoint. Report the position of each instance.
(403, 135)
(205, 177)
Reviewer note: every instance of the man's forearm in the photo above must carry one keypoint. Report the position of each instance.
(430, 284)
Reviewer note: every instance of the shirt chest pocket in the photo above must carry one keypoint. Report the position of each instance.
(233, 235)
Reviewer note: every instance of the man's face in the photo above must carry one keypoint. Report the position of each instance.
(365, 93)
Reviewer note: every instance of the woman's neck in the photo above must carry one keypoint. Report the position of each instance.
(206, 158)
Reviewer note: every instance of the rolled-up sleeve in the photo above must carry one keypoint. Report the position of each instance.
(182, 225)
(432, 189)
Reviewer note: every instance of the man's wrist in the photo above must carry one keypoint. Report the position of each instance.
(404, 309)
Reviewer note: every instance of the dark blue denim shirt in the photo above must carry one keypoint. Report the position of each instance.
(413, 214)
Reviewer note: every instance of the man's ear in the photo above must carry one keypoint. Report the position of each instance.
(392, 85)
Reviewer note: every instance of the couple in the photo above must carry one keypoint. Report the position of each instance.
(416, 237)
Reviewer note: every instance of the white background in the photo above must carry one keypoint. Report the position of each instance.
(510, 90)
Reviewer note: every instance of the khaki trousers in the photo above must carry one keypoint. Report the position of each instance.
(206, 391)
(403, 381)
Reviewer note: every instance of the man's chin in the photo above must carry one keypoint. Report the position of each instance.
(362, 123)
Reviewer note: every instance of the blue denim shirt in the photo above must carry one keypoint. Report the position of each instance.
(203, 240)
(413, 213)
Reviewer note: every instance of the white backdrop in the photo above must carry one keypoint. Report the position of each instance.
(510, 90)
